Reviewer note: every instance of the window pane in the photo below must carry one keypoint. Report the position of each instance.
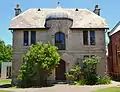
(85, 37)
(62, 38)
(57, 37)
(92, 37)
(26, 38)
(60, 41)
(33, 37)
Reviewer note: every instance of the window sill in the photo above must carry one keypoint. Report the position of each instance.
(62, 50)
(89, 45)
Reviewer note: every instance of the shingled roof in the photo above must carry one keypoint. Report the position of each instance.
(34, 18)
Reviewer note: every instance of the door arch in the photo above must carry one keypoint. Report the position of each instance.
(60, 71)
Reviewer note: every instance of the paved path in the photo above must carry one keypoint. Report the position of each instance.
(65, 88)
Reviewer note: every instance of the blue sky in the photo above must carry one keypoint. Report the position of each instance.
(109, 10)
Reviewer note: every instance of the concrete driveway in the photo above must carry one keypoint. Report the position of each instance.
(65, 88)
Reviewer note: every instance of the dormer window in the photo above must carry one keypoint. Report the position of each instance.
(60, 40)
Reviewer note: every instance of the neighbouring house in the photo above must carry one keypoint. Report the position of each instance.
(78, 33)
(113, 59)
(6, 70)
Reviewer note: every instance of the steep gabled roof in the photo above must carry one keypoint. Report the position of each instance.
(32, 18)
(115, 29)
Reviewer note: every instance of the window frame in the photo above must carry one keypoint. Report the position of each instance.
(89, 37)
(85, 37)
(26, 38)
(58, 44)
(92, 37)
(32, 37)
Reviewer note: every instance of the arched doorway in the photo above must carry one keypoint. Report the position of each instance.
(60, 71)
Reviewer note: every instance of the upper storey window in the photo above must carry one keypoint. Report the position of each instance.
(26, 38)
(29, 38)
(60, 40)
(89, 37)
(92, 37)
(85, 37)
(33, 37)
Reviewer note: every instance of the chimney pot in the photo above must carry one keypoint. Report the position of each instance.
(17, 6)
(96, 6)
(97, 10)
(17, 10)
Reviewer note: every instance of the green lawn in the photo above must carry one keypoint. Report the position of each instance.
(4, 91)
(111, 89)
(5, 81)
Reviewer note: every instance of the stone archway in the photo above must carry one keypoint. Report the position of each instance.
(60, 71)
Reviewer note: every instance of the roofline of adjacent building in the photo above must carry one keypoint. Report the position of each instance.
(112, 31)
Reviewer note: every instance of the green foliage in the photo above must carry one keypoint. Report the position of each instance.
(103, 80)
(81, 82)
(5, 52)
(90, 65)
(89, 69)
(87, 75)
(74, 73)
(37, 66)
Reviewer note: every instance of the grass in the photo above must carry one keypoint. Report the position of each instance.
(111, 89)
(4, 91)
(5, 81)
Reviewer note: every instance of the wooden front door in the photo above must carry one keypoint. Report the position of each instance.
(60, 71)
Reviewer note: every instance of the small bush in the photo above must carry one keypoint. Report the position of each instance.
(81, 82)
(74, 74)
(91, 79)
(87, 75)
(103, 80)
(70, 77)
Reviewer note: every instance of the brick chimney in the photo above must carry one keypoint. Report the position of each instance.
(97, 10)
(17, 10)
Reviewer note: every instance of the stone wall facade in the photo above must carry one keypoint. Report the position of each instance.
(75, 49)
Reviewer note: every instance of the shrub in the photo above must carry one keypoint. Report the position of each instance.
(89, 70)
(89, 73)
(37, 66)
(103, 80)
(70, 77)
(74, 73)
(81, 82)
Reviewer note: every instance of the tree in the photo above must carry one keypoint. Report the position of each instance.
(38, 64)
(5, 53)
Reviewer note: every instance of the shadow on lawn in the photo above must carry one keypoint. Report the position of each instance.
(5, 86)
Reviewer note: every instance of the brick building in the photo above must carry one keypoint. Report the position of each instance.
(113, 62)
